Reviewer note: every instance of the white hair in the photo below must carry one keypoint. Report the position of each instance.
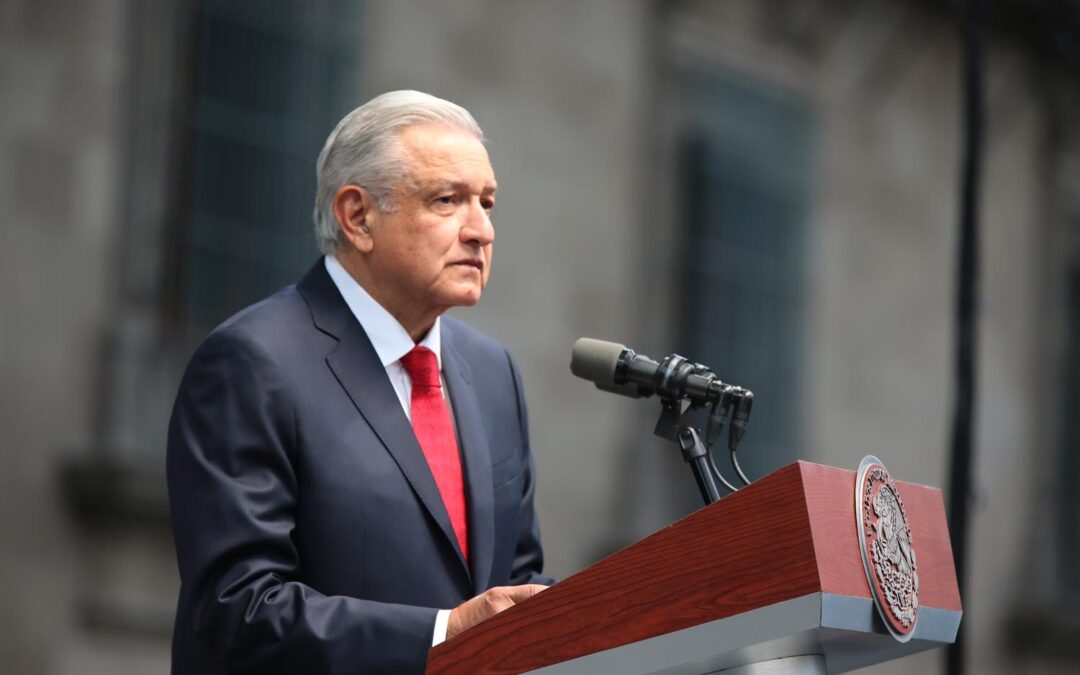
(364, 149)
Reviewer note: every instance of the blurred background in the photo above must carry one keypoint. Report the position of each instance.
(770, 187)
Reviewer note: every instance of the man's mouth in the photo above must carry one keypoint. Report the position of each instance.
(477, 263)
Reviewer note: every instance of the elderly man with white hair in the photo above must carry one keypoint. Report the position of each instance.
(349, 471)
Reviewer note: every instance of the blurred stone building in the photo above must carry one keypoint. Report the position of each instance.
(768, 187)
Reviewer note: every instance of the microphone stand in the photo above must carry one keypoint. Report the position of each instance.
(674, 425)
(695, 454)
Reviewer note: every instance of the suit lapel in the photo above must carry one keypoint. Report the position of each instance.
(477, 459)
(357, 367)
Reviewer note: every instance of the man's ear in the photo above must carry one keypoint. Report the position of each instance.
(356, 210)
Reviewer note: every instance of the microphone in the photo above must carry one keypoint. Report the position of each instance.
(616, 368)
(682, 387)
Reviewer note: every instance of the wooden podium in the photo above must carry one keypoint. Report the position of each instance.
(771, 572)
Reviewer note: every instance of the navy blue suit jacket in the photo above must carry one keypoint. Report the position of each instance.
(310, 535)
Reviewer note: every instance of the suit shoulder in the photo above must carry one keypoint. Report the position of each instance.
(272, 325)
(285, 305)
(471, 340)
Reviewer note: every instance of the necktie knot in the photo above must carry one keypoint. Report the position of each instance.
(422, 367)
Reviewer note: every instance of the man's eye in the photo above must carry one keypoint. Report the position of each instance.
(447, 199)
(488, 204)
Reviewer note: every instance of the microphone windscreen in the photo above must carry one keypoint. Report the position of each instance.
(630, 389)
(596, 360)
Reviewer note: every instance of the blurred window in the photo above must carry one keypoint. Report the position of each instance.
(271, 79)
(1070, 439)
(744, 181)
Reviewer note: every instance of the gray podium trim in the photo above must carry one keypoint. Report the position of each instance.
(845, 615)
(818, 623)
(812, 664)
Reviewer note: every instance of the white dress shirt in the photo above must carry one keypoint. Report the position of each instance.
(391, 342)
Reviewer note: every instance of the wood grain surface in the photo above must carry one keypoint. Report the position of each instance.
(831, 504)
(789, 534)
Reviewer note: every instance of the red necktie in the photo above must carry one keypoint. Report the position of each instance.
(435, 432)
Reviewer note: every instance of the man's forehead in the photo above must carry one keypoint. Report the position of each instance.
(441, 142)
(448, 156)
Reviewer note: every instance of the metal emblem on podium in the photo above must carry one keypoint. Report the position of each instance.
(888, 553)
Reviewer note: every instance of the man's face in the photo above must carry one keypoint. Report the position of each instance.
(433, 251)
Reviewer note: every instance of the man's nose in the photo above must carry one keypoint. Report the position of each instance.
(477, 226)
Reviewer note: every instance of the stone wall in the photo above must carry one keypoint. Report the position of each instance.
(582, 113)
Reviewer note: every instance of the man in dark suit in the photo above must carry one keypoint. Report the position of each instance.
(349, 472)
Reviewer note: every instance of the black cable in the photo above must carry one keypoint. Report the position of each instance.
(718, 416)
(716, 472)
(738, 469)
(966, 310)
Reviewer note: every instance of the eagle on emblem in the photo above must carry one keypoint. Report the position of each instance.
(894, 558)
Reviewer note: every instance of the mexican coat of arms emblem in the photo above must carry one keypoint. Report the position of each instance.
(888, 553)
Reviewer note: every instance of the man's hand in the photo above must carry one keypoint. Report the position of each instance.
(486, 605)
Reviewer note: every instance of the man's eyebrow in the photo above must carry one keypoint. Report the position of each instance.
(457, 186)
(441, 185)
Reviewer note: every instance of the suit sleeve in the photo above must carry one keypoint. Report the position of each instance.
(529, 555)
(233, 492)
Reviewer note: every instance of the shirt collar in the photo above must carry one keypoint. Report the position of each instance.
(387, 335)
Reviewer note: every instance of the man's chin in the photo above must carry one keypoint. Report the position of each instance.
(469, 301)
(465, 298)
